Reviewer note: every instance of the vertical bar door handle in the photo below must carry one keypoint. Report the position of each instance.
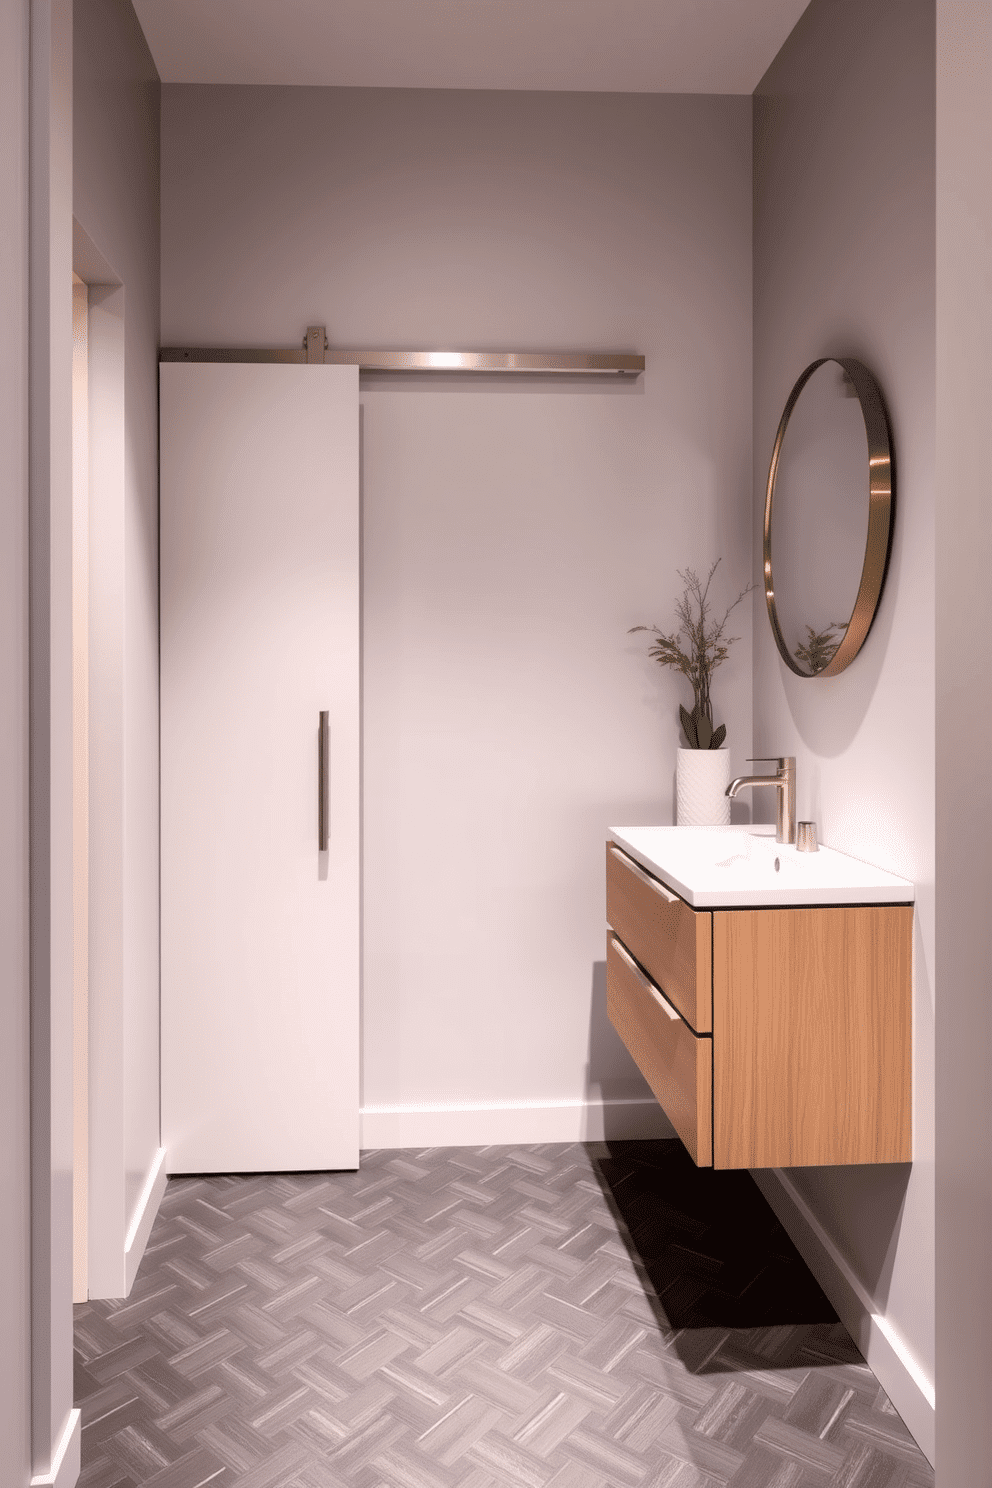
(324, 782)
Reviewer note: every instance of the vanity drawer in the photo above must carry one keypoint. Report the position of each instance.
(677, 1063)
(672, 941)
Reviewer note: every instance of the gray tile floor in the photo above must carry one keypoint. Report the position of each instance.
(575, 1316)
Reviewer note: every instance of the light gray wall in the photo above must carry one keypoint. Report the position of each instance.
(54, 1425)
(844, 266)
(512, 531)
(116, 202)
(964, 713)
(15, 1365)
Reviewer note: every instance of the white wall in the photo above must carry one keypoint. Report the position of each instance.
(512, 531)
(844, 266)
(54, 1424)
(116, 203)
(15, 1367)
(964, 796)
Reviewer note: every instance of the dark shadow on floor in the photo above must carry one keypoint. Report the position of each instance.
(714, 1259)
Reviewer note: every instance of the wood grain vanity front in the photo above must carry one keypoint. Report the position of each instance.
(794, 1044)
(813, 1042)
(671, 940)
(677, 1063)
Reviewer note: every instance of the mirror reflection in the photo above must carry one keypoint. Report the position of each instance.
(822, 525)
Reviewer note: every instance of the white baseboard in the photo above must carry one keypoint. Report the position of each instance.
(65, 1459)
(498, 1124)
(143, 1219)
(894, 1366)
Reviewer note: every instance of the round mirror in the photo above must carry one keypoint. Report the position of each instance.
(828, 517)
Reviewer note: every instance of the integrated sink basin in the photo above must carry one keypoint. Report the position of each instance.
(744, 867)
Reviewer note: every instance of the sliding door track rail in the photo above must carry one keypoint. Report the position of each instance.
(316, 350)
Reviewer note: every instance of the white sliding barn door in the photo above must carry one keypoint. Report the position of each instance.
(260, 632)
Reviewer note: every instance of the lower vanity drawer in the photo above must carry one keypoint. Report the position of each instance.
(677, 1063)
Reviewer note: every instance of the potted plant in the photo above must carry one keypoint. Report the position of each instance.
(697, 646)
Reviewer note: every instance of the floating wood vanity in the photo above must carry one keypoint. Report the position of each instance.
(773, 1034)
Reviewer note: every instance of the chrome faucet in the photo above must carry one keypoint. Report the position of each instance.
(785, 784)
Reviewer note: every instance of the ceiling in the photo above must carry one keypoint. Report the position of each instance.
(627, 46)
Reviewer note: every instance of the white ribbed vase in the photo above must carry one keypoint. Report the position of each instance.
(701, 780)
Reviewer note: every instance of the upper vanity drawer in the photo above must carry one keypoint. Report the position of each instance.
(671, 941)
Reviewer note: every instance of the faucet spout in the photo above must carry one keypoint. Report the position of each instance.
(742, 780)
(784, 781)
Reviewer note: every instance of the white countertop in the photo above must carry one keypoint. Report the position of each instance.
(741, 867)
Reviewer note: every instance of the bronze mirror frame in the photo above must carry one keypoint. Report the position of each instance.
(880, 515)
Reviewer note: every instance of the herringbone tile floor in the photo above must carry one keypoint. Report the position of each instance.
(544, 1317)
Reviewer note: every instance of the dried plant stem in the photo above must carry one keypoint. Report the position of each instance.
(696, 648)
